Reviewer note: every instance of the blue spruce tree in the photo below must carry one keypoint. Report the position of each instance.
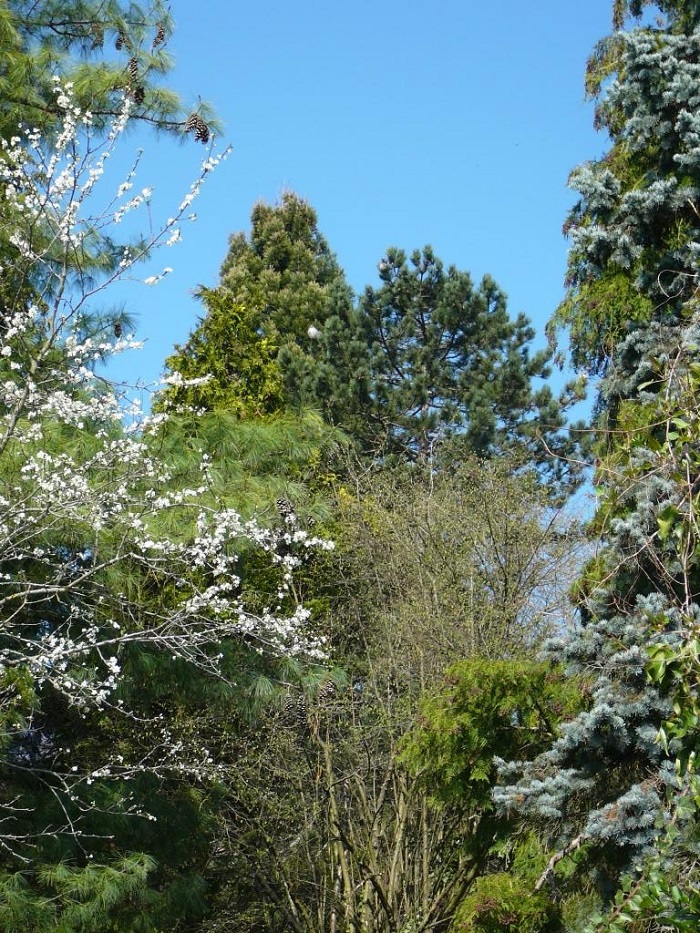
(612, 780)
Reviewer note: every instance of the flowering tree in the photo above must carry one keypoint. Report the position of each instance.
(103, 556)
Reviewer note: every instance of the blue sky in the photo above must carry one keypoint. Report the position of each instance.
(454, 124)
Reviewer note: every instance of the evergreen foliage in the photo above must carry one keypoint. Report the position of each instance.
(428, 356)
(106, 49)
(241, 363)
(425, 356)
(285, 269)
(444, 357)
(485, 709)
(618, 781)
(172, 753)
(634, 230)
(279, 285)
(122, 614)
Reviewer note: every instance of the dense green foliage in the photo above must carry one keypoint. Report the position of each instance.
(78, 851)
(619, 780)
(375, 742)
(426, 356)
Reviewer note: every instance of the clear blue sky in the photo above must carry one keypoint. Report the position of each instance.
(403, 123)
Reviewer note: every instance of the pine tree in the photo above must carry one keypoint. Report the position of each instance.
(107, 49)
(423, 356)
(430, 361)
(115, 582)
(446, 359)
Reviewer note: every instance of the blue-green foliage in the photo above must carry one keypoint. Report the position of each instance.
(631, 310)
(636, 229)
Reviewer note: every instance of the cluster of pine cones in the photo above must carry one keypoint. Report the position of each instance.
(194, 122)
(201, 131)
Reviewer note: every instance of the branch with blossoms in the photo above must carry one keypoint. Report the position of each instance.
(101, 554)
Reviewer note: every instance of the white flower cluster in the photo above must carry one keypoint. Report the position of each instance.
(86, 502)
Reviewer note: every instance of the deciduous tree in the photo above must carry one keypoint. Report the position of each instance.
(108, 569)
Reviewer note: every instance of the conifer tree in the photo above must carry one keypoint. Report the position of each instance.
(285, 268)
(609, 784)
(445, 358)
(240, 362)
(106, 49)
(279, 285)
(118, 598)
(424, 356)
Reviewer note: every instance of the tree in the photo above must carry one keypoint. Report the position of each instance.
(73, 40)
(279, 285)
(485, 709)
(440, 566)
(425, 356)
(327, 827)
(610, 784)
(112, 577)
(274, 283)
(428, 356)
(633, 260)
(285, 269)
(239, 362)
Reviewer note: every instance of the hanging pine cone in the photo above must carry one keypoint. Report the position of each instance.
(191, 122)
(120, 41)
(301, 711)
(284, 507)
(7, 693)
(201, 134)
(98, 35)
(139, 94)
(133, 68)
(117, 329)
(326, 691)
(159, 37)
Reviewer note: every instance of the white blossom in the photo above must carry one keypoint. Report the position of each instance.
(107, 490)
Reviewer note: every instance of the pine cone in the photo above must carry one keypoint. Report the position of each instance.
(120, 41)
(7, 693)
(326, 691)
(201, 134)
(159, 37)
(139, 94)
(133, 68)
(301, 711)
(284, 507)
(191, 122)
(117, 329)
(98, 35)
